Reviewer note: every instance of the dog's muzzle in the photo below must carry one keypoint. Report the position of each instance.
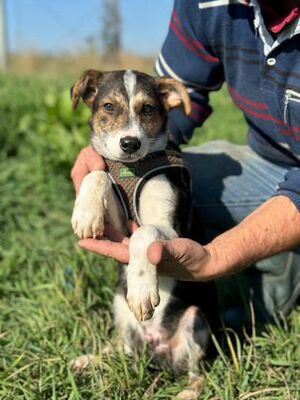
(130, 144)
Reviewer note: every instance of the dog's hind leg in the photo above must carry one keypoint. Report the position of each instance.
(188, 346)
(193, 390)
(128, 329)
(81, 363)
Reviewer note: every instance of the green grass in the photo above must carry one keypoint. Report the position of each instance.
(225, 122)
(56, 299)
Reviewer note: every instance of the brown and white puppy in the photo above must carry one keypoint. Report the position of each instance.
(128, 121)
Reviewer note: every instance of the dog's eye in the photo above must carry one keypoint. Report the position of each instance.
(147, 109)
(108, 106)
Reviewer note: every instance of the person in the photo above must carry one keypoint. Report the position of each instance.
(246, 198)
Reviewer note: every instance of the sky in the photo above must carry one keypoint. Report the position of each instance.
(63, 25)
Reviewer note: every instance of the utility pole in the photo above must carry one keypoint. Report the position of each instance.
(3, 38)
(111, 28)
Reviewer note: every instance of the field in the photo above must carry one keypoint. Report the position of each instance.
(56, 299)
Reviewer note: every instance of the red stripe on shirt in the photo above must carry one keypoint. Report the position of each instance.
(284, 131)
(256, 114)
(199, 113)
(189, 42)
(198, 108)
(291, 131)
(255, 104)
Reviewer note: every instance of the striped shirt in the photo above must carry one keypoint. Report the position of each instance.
(210, 42)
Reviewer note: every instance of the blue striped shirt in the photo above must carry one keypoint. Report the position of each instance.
(217, 41)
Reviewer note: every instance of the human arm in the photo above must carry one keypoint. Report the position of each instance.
(272, 228)
(186, 56)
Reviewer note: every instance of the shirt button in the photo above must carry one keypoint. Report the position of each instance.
(271, 61)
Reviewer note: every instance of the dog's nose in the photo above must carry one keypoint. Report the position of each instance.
(130, 144)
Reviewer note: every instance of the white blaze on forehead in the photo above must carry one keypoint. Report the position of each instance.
(134, 128)
(130, 83)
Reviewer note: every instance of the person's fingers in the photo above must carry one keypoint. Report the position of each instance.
(88, 160)
(93, 160)
(160, 253)
(165, 251)
(116, 250)
(156, 252)
(179, 258)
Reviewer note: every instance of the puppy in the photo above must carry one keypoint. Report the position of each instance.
(128, 129)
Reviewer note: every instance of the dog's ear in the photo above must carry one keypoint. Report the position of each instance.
(174, 94)
(86, 87)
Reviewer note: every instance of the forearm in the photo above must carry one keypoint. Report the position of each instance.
(272, 228)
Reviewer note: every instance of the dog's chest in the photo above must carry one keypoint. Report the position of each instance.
(129, 179)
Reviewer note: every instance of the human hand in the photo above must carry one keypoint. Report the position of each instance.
(88, 160)
(179, 258)
(182, 259)
(117, 246)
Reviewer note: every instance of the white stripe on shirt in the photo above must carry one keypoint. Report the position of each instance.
(162, 65)
(218, 3)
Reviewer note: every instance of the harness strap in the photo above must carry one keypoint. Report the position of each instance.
(129, 178)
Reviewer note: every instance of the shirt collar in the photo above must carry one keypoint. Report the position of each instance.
(275, 21)
(270, 43)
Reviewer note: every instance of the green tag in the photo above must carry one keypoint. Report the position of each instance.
(127, 172)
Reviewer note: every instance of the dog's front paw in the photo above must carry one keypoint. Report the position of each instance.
(142, 302)
(87, 223)
(142, 297)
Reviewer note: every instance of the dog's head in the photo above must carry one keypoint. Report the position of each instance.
(128, 111)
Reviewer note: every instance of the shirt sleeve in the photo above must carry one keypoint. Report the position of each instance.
(187, 57)
(290, 187)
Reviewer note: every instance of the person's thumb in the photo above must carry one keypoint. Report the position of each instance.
(164, 250)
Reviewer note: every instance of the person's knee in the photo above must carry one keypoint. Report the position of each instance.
(209, 170)
(211, 147)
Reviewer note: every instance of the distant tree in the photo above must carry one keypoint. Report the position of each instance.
(111, 28)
